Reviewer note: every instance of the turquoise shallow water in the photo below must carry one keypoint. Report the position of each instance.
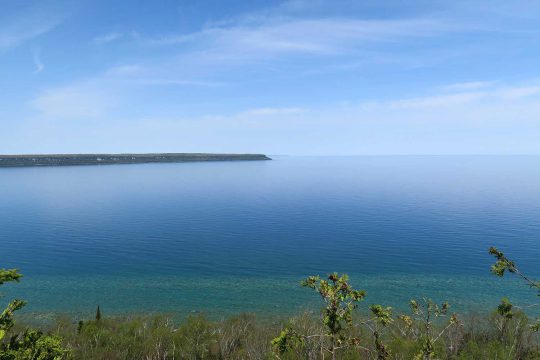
(223, 238)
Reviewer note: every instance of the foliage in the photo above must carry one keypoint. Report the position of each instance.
(31, 344)
(9, 275)
(6, 317)
(504, 264)
(427, 313)
(246, 337)
(158, 337)
(382, 318)
(340, 332)
(340, 300)
(505, 309)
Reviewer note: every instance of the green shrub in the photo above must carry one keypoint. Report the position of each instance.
(31, 344)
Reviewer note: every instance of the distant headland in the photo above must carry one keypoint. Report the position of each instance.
(106, 159)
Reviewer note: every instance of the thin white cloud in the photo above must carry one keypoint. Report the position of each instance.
(36, 56)
(315, 36)
(265, 42)
(195, 59)
(520, 92)
(459, 125)
(178, 82)
(27, 25)
(471, 85)
(473, 116)
(114, 37)
(108, 38)
(437, 100)
(491, 93)
(265, 112)
(97, 97)
(124, 70)
(80, 101)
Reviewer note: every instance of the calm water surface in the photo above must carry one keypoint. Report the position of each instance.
(238, 236)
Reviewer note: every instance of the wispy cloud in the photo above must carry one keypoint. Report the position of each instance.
(437, 100)
(218, 52)
(177, 82)
(113, 37)
(36, 56)
(473, 92)
(471, 85)
(29, 24)
(266, 112)
(437, 124)
(85, 100)
(333, 36)
(303, 76)
(108, 38)
(99, 96)
(520, 92)
(223, 53)
(124, 70)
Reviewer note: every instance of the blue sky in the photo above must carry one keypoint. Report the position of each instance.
(299, 77)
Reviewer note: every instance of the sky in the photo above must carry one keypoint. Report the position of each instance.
(296, 77)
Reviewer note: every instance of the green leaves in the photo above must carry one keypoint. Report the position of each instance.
(407, 320)
(502, 264)
(383, 353)
(505, 309)
(310, 282)
(340, 299)
(31, 344)
(414, 306)
(427, 313)
(9, 275)
(6, 317)
(429, 307)
(444, 308)
(287, 340)
(382, 315)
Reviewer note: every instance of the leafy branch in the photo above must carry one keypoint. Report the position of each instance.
(31, 344)
(502, 265)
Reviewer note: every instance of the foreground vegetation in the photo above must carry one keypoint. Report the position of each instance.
(342, 330)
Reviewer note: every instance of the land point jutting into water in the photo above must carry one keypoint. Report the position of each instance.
(105, 159)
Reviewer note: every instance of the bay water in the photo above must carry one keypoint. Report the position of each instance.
(230, 237)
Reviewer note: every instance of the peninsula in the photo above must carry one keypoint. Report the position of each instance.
(105, 159)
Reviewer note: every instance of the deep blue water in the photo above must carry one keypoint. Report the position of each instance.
(238, 236)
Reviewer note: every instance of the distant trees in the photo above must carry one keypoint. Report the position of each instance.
(32, 344)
